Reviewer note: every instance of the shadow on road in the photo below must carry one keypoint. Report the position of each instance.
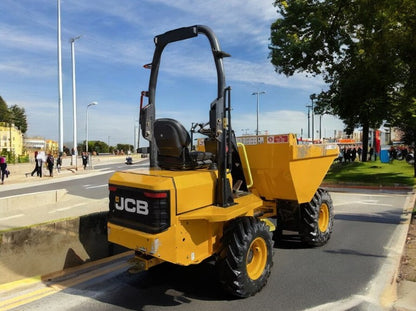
(394, 217)
(165, 285)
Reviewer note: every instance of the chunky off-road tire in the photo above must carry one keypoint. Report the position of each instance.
(246, 258)
(317, 219)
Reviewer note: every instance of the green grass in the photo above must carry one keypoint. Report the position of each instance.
(398, 173)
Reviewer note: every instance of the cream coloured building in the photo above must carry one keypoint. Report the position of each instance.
(11, 139)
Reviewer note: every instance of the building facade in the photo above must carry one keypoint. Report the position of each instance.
(11, 139)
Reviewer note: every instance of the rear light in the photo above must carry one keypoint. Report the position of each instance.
(156, 195)
(112, 188)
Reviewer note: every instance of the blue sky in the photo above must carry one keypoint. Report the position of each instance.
(117, 40)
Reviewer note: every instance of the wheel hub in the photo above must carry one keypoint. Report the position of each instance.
(323, 221)
(256, 258)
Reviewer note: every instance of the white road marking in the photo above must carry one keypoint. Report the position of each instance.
(65, 208)
(93, 187)
(364, 202)
(12, 217)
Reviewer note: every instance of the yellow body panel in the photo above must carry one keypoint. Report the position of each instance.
(281, 169)
(188, 240)
(184, 243)
(197, 188)
(244, 206)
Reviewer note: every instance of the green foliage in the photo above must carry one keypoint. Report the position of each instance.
(14, 114)
(4, 111)
(94, 145)
(10, 157)
(371, 173)
(18, 117)
(98, 146)
(363, 49)
(23, 159)
(124, 147)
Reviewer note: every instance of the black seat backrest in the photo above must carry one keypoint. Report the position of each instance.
(172, 140)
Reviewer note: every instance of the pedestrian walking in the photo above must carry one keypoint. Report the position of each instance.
(3, 169)
(59, 162)
(40, 158)
(85, 160)
(371, 152)
(50, 161)
(359, 151)
(36, 169)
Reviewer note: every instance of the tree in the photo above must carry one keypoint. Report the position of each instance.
(14, 114)
(4, 111)
(351, 44)
(18, 117)
(404, 110)
(124, 147)
(94, 145)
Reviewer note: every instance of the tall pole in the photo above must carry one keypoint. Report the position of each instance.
(86, 131)
(309, 120)
(258, 94)
(61, 118)
(86, 125)
(320, 126)
(312, 97)
(74, 99)
(313, 117)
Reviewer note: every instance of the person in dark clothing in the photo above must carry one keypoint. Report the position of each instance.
(353, 154)
(40, 158)
(3, 169)
(85, 160)
(371, 152)
(359, 151)
(50, 162)
(59, 163)
(36, 169)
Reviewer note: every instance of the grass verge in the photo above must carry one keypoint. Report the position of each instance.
(373, 173)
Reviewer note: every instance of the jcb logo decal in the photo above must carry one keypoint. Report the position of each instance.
(132, 205)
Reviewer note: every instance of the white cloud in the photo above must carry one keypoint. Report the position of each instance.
(20, 40)
(117, 36)
(28, 69)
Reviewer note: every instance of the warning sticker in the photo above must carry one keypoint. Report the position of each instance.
(251, 140)
(277, 139)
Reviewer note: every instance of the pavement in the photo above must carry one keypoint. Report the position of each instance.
(21, 172)
(51, 205)
(399, 296)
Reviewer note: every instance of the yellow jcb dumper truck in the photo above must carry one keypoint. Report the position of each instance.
(221, 203)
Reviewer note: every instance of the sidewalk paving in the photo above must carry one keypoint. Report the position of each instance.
(64, 206)
(21, 172)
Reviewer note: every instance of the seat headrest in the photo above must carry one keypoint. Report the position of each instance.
(171, 136)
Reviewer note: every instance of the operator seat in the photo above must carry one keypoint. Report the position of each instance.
(172, 140)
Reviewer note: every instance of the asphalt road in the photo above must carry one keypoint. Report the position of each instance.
(349, 273)
(94, 186)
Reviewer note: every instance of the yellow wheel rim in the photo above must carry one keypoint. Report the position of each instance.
(323, 221)
(256, 258)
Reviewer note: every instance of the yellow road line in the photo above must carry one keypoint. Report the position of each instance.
(20, 283)
(26, 298)
(57, 287)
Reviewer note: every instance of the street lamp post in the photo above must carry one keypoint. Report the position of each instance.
(61, 118)
(86, 125)
(74, 99)
(309, 120)
(258, 94)
(312, 97)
